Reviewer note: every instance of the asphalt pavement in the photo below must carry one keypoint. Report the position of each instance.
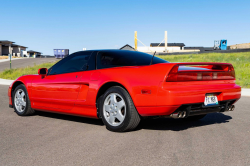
(54, 139)
(17, 63)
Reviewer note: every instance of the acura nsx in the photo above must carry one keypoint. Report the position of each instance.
(121, 87)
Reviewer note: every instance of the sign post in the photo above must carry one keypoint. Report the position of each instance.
(10, 60)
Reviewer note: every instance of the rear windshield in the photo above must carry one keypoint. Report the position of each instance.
(108, 59)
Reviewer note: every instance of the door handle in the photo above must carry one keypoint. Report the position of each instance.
(76, 76)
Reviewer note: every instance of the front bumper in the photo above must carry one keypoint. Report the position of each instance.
(10, 98)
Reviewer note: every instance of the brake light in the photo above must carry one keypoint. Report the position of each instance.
(225, 73)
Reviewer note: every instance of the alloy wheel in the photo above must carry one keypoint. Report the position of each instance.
(114, 109)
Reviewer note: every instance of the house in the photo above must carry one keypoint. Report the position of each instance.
(18, 50)
(33, 54)
(7, 47)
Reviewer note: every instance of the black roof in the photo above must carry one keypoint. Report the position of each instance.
(6, 41)
(31, 51)
(16, 45)
(193, 48)
(169, 44)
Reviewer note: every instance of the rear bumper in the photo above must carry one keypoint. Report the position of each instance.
(173, 97)
(191, 109)
(195, 93)
(200, 108)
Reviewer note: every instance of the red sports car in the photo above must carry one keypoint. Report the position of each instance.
(121, 87)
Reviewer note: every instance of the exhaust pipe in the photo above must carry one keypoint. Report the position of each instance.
(232, 107)
(178, 115)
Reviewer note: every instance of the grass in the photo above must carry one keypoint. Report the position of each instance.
(6, 57)
(3, 57)
(13, 74)
(240, 61)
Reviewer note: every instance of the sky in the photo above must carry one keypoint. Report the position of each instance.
(44, 25)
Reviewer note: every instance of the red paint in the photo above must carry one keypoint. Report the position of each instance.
(75, 93)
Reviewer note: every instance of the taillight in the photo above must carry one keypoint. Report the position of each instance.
(226, 73)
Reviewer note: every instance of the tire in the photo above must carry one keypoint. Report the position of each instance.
(21, 102)
(118, 111)
(195, 118)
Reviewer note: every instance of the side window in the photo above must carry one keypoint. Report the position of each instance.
(73, 63)
(108, 60)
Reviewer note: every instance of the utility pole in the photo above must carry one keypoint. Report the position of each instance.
(166, 41)
(136, 40)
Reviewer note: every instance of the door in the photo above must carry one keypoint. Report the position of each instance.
(60, 88)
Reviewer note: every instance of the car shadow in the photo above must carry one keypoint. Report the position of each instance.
(149, 124)
(179, 124)
(70, 118)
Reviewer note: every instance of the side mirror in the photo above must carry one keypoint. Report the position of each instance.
(43, 72)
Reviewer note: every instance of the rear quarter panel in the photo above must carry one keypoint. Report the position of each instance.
(135, 79)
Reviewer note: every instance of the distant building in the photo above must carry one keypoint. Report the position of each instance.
(160, 48)
(33, 54)
(18, 50)
(127, 47)
(7, 47)
(175, 45)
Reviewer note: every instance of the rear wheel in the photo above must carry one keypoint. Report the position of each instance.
(21, 101)
(118, 111)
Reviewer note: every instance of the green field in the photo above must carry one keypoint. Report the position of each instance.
(13, 74)
(240, 61)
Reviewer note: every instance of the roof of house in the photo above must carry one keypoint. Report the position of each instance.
(16, 45)
(6, 41)
(31, 51)
(169, 44)
(127, 45)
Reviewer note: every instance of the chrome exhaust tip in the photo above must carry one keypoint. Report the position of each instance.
(184, 113)
(178, 115)
(232, 107)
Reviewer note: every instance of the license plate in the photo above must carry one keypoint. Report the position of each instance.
(210, 100)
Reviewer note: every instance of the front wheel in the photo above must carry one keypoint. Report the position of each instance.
(118, 111)
(21, 101)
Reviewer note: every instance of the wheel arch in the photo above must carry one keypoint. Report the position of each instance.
(15, 84)
(103, 89)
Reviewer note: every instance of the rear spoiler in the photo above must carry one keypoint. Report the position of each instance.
(201, 71)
